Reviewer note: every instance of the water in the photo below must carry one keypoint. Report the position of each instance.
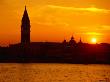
(40, 72)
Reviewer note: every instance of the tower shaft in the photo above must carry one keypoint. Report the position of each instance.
(25, 29)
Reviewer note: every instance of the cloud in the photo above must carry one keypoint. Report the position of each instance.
(93, 33)
(88, 9)
(105, 27)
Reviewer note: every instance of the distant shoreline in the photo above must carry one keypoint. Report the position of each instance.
(31, 60)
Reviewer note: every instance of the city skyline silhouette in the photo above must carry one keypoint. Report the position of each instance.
(53, 52)
(56, 22)
(54, 40)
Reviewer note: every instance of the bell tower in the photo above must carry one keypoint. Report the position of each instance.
(25, 29)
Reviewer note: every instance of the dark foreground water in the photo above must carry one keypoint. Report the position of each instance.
(44, 72)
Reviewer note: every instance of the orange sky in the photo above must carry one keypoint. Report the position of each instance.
(56, 20)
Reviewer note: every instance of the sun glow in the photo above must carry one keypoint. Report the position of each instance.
(94, 40)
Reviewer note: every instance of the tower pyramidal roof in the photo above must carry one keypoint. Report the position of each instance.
(25, 15)
(25, 29)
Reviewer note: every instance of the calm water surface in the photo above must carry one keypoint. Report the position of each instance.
(44, 72)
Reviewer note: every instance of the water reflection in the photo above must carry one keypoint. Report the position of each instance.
(41, 72)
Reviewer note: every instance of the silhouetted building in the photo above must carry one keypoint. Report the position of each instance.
(25, 29)
(72, 42)
(80, 41)
(68, 52)
(64, 42)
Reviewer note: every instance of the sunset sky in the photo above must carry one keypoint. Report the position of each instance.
(56, 20)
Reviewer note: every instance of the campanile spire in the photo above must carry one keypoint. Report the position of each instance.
(25, 29)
